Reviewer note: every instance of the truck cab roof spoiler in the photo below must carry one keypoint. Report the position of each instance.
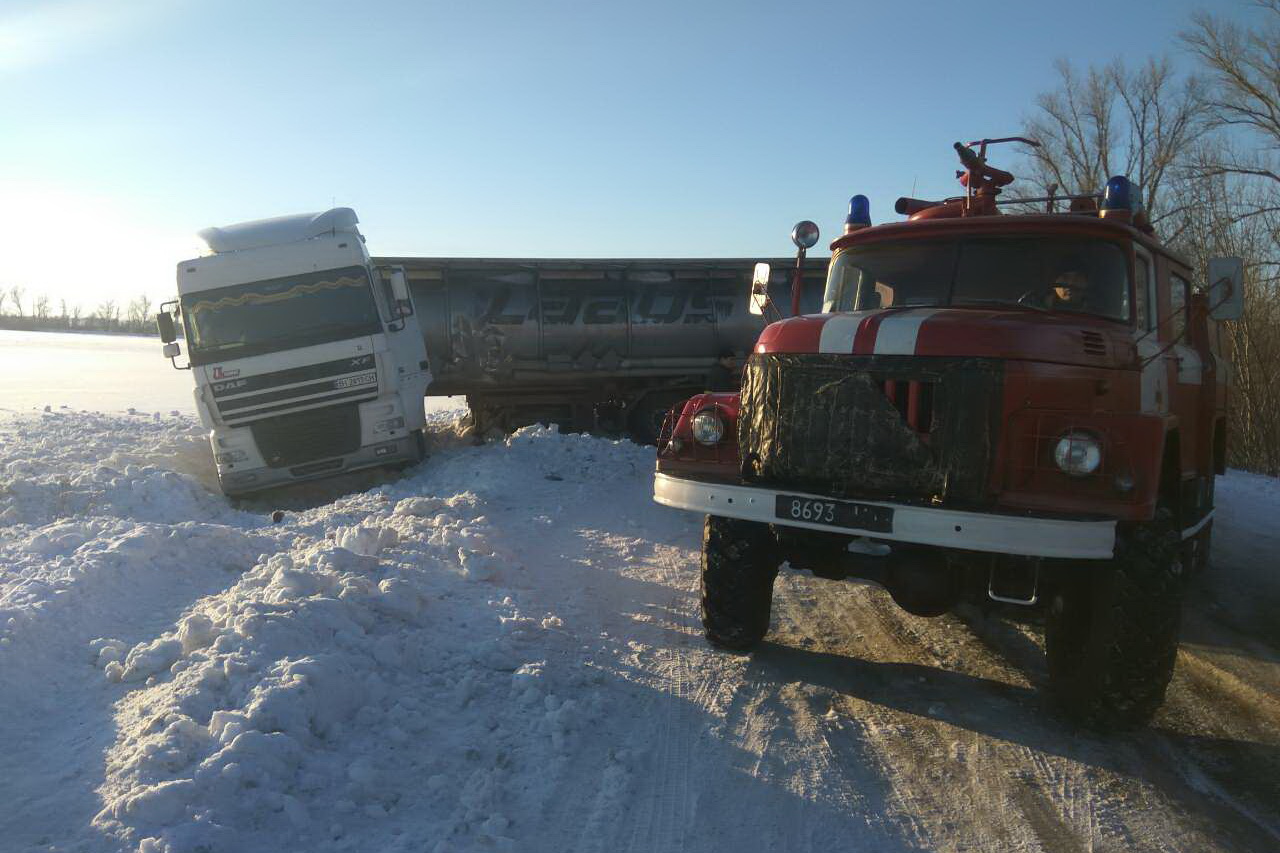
(279, 229)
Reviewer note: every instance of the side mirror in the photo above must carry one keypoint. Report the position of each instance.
(1226, 288)
(399, 285)
(759, 289)
(171, 350)
(398, 282)
(164, 325)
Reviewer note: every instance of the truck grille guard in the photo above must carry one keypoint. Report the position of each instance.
(888, 427)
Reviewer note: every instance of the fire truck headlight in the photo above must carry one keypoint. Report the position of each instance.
(707, 427)
(1078, 453)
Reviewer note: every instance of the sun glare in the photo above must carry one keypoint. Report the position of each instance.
(84, 248)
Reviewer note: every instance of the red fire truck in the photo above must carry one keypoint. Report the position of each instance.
(1024, 408)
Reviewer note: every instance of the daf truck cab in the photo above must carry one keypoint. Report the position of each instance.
(308, 359)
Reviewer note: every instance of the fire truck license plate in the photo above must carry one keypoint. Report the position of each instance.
(835, 513)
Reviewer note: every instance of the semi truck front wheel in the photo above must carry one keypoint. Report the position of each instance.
(739, 565)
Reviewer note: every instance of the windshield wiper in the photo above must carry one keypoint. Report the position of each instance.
(1003, 303)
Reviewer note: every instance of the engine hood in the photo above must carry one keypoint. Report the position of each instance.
(1013, 334)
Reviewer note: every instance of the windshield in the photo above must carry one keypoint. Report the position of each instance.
(1043, 273)
(280, 313)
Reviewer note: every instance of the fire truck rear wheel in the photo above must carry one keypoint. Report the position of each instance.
(1111, 635)
(739, 565)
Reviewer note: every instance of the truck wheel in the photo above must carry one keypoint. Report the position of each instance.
(738, 569)
(647, 417)
(1111, 635)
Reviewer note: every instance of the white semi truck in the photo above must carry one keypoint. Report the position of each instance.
(311, 358)
(308, 359)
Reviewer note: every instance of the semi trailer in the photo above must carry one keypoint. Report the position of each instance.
(312, 358)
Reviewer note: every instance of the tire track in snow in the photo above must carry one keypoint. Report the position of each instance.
(947, 787)
(663, 821)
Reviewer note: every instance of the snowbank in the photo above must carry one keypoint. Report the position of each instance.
(366, 674)
(499, 651)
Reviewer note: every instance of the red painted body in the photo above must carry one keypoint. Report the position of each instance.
(1157, 401)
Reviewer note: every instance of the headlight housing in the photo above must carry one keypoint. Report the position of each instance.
(1078, 453)
(707, 427)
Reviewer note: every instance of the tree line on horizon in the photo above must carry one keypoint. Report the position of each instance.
(1204, 146)
(38, 313)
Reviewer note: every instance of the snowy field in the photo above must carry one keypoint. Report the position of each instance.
(499, 650)
(112, 373)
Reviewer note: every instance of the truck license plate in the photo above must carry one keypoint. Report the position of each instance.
(834, 513)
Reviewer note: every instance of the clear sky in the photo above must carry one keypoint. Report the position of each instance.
(504, 127)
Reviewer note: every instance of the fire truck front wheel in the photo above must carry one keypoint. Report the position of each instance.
(739, 565)
(1111, 634)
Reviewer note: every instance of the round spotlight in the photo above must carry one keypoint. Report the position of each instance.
(805, 234)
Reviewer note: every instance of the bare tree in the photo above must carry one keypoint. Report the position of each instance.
(4, 294)
(1236, 211)
(108, 313)
(139, 311)
(40, 307)
(74, 316)
(1111, 120)
(1244, 99)
(15, 295)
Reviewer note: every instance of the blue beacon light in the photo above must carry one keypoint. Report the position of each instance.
(1120, 198)
(859, 214)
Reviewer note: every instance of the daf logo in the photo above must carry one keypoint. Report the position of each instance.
(219, 387)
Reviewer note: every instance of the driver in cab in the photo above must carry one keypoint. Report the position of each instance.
(1069, 291)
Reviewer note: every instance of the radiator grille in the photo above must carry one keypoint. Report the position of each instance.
(871, 426)
(293, 439)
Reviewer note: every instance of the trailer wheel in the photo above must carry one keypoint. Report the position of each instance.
(739, 564)
(647, 417)
(1111, 634)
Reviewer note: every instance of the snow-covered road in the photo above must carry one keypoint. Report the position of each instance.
(499, 650)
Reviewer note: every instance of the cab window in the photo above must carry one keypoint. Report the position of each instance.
(1142, 279)
(1178, 289)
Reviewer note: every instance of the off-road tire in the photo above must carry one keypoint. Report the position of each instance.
(739, 564)
(1111, 634)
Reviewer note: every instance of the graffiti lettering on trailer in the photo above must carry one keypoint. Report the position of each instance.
(571, 307)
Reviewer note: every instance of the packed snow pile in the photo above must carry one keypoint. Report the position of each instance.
(368, 669)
